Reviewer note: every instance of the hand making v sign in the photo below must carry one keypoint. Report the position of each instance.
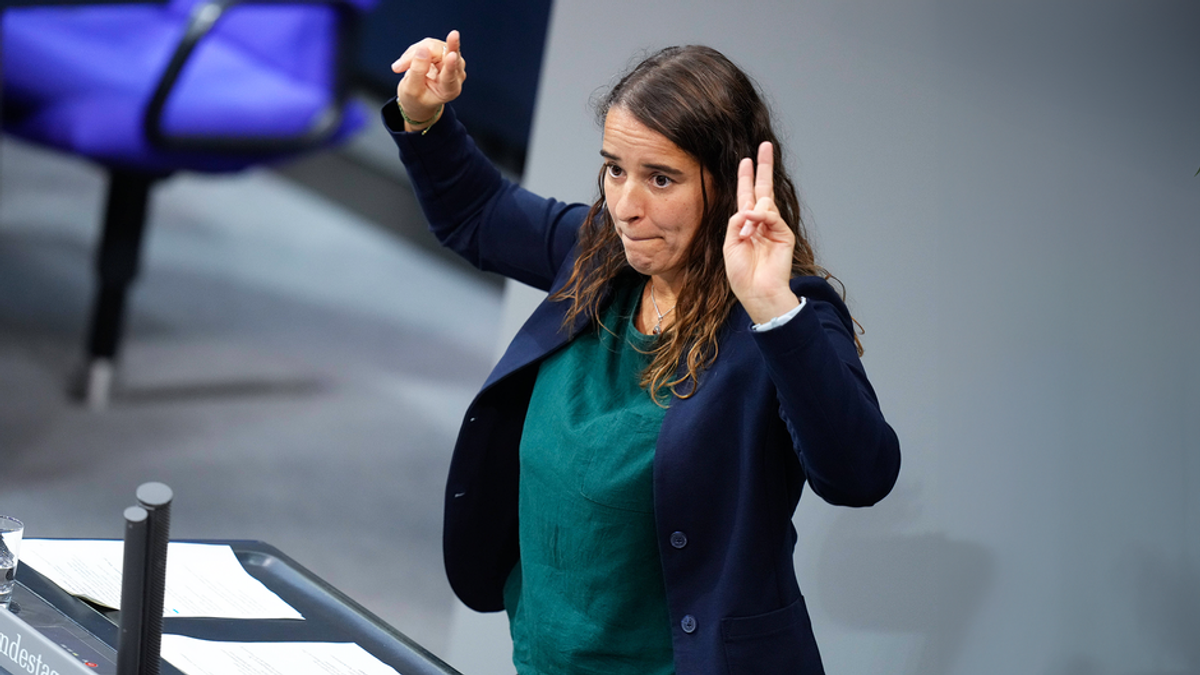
(759, 244)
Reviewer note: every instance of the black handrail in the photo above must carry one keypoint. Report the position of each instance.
(204, 17)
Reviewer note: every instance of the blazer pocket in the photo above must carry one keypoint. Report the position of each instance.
(775, 643)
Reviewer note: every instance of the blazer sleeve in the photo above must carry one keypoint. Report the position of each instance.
(493, 223)
(850, 454)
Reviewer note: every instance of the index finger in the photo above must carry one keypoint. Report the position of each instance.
(403, 63)
(454, 42)
(764, 182)
(437, 49)
(745, 184)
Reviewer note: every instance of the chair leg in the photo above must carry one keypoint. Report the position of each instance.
(117, 262)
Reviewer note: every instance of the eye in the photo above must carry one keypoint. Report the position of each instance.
(613, 171)
(661, 181)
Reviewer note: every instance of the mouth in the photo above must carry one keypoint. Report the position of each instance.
(629, 237)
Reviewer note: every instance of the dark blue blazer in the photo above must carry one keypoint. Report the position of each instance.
(776, 409)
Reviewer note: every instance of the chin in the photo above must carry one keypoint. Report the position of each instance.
(640, 265)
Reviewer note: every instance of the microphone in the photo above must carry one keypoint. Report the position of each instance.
(144, 581)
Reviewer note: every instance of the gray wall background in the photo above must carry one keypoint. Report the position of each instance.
(1007, 190)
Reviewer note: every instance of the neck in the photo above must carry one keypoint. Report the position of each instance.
(666, 291)
(658, 307)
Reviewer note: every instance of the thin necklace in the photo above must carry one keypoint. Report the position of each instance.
(657, 330)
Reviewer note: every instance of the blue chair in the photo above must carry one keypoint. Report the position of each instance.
(146, 90)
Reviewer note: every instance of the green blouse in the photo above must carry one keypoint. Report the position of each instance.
(587, 595)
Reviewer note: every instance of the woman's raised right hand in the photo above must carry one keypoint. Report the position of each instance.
(433, 76)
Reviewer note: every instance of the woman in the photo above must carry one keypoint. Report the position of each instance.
(623, 484)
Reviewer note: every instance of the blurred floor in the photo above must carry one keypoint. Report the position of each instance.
(295, 368)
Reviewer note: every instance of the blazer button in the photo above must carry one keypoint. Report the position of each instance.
(688, 624)
(678, 539)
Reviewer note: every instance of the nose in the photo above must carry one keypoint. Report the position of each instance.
(624, 204)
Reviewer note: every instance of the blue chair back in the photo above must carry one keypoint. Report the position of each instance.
(190, 84)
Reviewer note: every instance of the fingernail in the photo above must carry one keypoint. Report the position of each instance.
(747, 229)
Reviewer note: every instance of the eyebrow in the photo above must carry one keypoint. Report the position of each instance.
(661, 168)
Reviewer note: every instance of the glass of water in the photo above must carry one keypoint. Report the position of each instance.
(11, 530)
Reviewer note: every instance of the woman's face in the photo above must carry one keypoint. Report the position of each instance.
(653, 192)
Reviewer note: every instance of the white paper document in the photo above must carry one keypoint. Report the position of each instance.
(202, 579)
(203, 657)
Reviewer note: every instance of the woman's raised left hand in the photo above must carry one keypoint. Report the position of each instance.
(759, 244)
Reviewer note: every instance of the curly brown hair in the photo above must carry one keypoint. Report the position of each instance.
(708, 107)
